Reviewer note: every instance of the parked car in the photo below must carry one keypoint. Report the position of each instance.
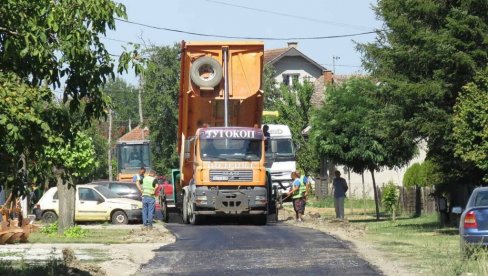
(123, 189)
(93, 203)
(473, 225)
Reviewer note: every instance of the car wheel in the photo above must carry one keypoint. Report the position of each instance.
(119, 217)
(49, 217)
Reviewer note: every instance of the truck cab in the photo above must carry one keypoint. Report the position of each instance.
(280, 156)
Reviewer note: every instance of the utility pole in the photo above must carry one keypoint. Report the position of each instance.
(109, 145)
(140, 106)
(334, 58)
(130, 125)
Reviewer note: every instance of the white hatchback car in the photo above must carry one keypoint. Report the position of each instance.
(93, 203)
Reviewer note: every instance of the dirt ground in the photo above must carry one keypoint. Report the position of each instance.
(95, 258)
(352, 233)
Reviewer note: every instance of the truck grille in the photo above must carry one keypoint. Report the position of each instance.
(234, 176)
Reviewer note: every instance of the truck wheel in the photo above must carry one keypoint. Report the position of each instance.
(206, 72)
(194, 218)
(49, 217)
(119, 217)
(164, 210)
(185, 209)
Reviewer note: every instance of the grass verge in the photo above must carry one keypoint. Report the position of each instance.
(106, 236)
(423, 246)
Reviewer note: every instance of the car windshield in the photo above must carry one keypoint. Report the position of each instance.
(231, 149)
(106, 192)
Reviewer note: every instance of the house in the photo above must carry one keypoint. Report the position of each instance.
(292, 66)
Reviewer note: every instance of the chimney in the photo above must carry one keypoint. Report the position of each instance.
(292, 44)
(328, 77)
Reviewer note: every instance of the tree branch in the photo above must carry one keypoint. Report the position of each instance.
(5, 30)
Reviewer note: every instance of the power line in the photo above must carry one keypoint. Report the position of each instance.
(244, 37)
(291, 15)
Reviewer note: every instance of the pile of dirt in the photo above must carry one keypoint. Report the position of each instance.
(154, 235)
(76, 268)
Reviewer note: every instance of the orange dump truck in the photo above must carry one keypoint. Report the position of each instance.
(220, 142)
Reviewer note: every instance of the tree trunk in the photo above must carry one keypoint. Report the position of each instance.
(66, 195)
(418, 198)
(375, 196)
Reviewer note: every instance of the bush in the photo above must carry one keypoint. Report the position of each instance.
(51, 229)
(75, 232)
(390, 199)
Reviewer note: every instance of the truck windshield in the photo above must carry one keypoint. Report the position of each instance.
(230, 149)
(280, 148)
(131, 157)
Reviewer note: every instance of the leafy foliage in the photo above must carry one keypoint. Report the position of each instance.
(413, 176)
(295, 111)
(430, 50)
(390, 198)
(47, 42)
(75, 232)
(471, 122)
(160, 104)
(51, 229)
(77, 158)
(125, 104)
(271, 90)
(354, 128)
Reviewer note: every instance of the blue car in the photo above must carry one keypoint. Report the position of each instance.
(473, 226)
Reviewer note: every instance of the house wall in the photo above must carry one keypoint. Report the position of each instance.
(296, 65)
(355, 183)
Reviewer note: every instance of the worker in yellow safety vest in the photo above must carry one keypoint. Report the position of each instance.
(148, 200)
(299, 192)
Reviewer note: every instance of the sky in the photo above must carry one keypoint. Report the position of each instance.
(254, 18)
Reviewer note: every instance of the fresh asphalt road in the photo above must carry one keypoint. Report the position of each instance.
(275, 249)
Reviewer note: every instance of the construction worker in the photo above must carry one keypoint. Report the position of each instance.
(148, 199)
(137, 178)
(298, 193)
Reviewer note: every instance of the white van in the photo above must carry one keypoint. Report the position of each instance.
(280, 156)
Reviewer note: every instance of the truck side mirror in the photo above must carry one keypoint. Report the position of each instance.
(187, 148)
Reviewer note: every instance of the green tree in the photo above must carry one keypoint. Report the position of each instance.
(390, 199)
(356, 129)
(428, 51)
(54, 44)
(471, 123)
(295, 110)
(125, 103)
(271, 90)
(160, 104)
(413, 176)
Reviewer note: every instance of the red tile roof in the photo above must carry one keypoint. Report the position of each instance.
(135, 135)
(270, 55)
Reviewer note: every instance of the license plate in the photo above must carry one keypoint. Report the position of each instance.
(220, 178)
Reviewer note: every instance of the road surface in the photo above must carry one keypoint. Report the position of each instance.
(254, 250)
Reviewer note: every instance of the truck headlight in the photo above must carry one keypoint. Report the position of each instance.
(201, 199)
(134, 206)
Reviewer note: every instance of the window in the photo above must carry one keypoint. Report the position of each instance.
(88, 194)
(55, 196)
(120, 188)
(482, 199)
(291, 79)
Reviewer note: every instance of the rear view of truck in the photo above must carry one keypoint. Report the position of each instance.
(221, 145)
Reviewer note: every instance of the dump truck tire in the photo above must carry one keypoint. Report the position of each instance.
(206, 72)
